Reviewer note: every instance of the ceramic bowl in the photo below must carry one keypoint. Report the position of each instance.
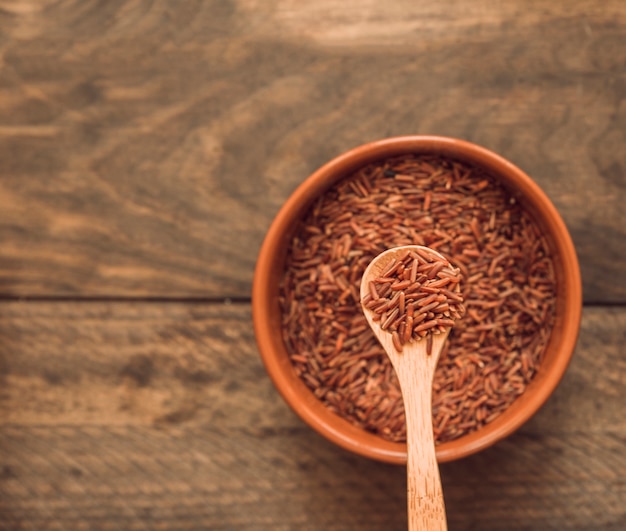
(270, 265)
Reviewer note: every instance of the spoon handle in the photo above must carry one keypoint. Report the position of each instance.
(426, 509)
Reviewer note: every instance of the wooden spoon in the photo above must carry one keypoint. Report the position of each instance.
(415, 368)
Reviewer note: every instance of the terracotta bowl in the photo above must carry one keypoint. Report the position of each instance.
(270, 265)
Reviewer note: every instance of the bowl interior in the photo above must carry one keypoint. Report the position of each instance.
(267, 313)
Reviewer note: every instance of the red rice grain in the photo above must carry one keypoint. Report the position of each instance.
(508, 290)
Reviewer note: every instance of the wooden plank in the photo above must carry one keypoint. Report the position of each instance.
(160, 416)
(107, 477)
(145, 148)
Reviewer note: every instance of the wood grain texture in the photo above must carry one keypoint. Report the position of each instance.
(160, 416)
(146, 146)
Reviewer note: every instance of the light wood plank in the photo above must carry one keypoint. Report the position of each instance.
(146, 146)
(160, 416)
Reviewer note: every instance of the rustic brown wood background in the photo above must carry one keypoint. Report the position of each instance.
(145, 147)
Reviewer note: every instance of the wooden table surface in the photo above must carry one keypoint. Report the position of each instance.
(145, 147)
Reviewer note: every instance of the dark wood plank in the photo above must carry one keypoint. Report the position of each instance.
(146, 146)
(160, 416)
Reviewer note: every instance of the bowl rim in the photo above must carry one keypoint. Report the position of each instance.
(304, 403)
